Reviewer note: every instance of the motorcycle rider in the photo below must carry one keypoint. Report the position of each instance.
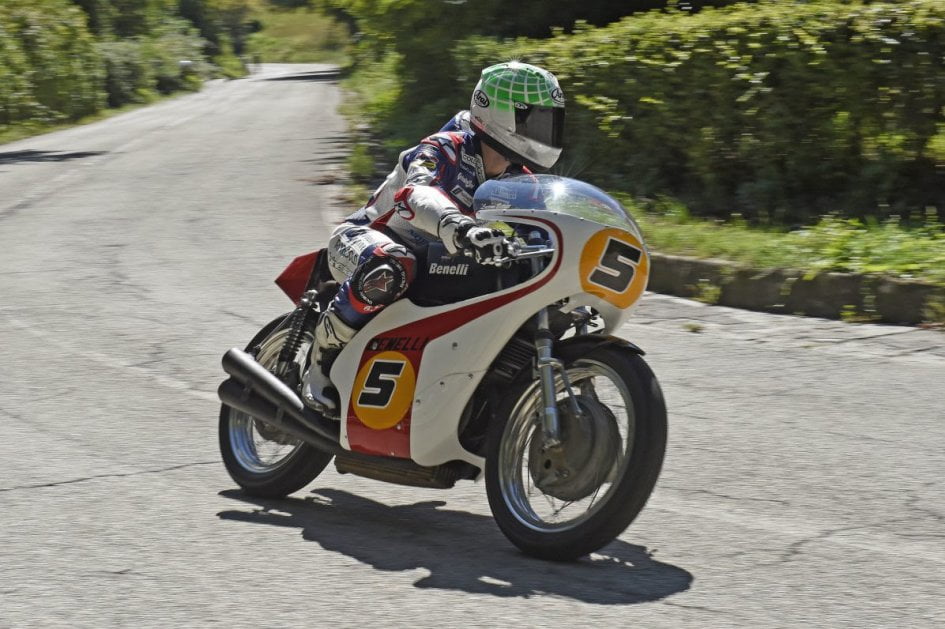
(514, 123)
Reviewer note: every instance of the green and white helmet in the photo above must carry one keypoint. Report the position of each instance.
(518, 109)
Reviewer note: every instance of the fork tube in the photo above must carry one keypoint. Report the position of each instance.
(551, 428)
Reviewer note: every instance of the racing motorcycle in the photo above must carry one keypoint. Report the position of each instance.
(504, 373)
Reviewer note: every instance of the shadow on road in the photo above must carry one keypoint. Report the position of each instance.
(324, 75)
(12, 157)
(462, 551)
(335, 150)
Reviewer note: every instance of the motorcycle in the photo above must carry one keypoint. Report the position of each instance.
(504, 373)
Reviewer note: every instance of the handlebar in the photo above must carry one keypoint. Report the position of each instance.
(525, 252)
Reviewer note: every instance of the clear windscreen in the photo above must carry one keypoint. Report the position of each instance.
(557, 194)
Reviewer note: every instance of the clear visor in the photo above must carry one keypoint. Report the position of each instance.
(542, 124)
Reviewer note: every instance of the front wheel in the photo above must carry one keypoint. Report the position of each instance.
(263, 460)
(569, 501)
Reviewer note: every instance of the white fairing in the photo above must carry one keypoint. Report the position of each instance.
(587, 251)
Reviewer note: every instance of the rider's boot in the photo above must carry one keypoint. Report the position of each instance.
(331, 335)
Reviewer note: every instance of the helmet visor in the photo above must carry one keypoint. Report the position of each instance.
(542, 124)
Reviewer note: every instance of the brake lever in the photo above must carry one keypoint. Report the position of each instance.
(525, 253)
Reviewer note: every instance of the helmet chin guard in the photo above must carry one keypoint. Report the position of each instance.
(518, 109)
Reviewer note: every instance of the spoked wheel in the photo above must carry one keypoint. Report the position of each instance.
(567, 501)
(262, 459)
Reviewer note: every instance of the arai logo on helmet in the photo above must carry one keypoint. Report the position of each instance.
(481, 99)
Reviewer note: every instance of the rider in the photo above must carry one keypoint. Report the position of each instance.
(514, 123)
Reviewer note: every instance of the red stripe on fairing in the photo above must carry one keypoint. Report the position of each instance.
(440, 324)
(394, 442)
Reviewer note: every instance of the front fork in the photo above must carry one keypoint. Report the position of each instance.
(546, 366)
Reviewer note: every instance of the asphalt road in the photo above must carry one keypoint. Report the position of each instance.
(803, 484)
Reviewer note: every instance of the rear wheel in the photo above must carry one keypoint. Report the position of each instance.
(263, 460)
(566, 502)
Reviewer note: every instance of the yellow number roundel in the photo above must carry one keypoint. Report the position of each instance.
(383, 390)
(614, 266)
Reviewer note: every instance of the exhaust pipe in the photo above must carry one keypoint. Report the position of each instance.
(237, 396)
(255, 391)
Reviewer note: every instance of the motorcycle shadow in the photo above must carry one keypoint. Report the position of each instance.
(462, 551)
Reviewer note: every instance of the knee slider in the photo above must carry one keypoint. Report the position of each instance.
(381, 280)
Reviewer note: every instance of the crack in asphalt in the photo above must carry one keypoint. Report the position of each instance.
(858, 436)
(156, 376)
(725, 496)
(72, 481)
(913, 500)
(241, 317)
(125, 572)
(795, 550)
(700, 608)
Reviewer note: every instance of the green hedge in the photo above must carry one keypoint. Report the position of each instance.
(137, 68)
(50, 69)
(53, 69)
(778, 111)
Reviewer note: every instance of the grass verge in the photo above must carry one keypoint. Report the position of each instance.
(913, 249)
(301, 35)
(21, 131)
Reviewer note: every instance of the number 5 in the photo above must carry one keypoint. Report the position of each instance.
(380, 384)
(617, 266)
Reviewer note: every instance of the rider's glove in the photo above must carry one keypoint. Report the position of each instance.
(489, 246)
(459, 232)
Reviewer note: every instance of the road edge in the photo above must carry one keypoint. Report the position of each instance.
(848, 296)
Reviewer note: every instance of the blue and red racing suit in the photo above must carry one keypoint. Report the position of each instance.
(372, 252)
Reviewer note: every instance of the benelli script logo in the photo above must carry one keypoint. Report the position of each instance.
(448, 269)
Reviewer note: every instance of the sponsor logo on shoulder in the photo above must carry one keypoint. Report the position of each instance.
(481, 99)
(476, 162)
(464, 180)
(462, 196)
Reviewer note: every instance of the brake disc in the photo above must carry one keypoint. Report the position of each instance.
(590, 443)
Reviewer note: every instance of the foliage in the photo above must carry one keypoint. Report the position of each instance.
(361, 163)
(423, 37)
(139, 68)
(302, 35)
(912, 249)
(780, 111)
(50, 69)
(224, 24)
(65, 59)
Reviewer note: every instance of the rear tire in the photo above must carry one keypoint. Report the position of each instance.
(601, 487)
(262, 460)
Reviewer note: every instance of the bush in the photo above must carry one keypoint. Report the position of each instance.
(50, 69)
(139, 68)
(778, 111)
(127, 76)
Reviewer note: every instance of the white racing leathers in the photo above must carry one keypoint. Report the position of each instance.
(429, 190)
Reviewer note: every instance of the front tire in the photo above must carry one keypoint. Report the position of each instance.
(566, 504)
(262, 460)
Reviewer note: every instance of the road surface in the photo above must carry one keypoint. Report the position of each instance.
(803, 483)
